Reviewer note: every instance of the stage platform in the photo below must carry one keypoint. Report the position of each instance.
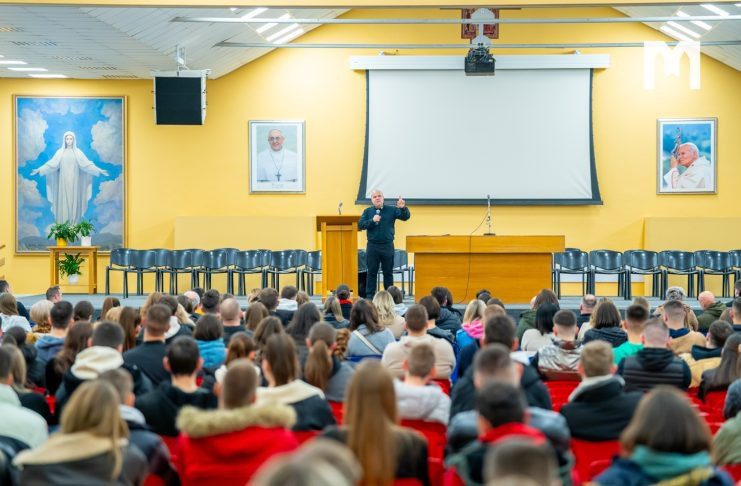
(514, 309)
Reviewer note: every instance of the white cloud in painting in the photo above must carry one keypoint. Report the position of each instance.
(107, 135)
(31, 128)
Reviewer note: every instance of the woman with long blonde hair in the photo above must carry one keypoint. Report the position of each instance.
(472, 328)
(387, 317)
(384, 449)
(91, 447)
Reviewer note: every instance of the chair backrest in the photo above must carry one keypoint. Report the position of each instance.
(181, 259)
(735, 258)
(435, 432)
(196, 257)
(677, 260)
(718, 261)
(163, 257)
(572, 260)
(606, 259)
(314, 260)
(231, 255)
(144, 259)
(588, 452)
(248, 260)
(338, 411)
(214, 259)
(642, 259)
(362, 263)
(121, 257)
(560, 391)
(286, 259)
(401, 259)
(267, 256)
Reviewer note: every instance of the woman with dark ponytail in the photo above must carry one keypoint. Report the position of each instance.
(323, 369)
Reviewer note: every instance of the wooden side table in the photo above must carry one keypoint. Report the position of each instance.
(90, 253)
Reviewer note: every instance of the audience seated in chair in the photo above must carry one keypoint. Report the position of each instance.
(606, 325)
(433, 314)
(226, 446)
(77, 339)
(140, 435)
(728, 370)
(387, 316)
(500, 329)
(559, 360)
(534, 339)
(301, 323)
(9, 313)
(464, 358)
(231, 318)
(287, 304)
(241, 346)
(148, 356)
(447, 319)
(520, 462)
(586, 308)
(91, 446)
(678, 294)
(29, 398)
(711, 310)
(666, 440)
(736, 314)
(416, 323)
(17, 422)
(371, 431)
(704, 358)
(53, 338)
(635, 319)
(527, 318)
(322, 368)
(161, 405)
(19, 307)
(280, 368)
(254, 313)
(209, 334)
(179, 324)
(400, 308)
(655, 364)
(332, 313)
(599, 409)
(472, 328)
(83, 311)
(416, 397)
(368, 339)
(34, 368)
(682, 338)
(727, 442)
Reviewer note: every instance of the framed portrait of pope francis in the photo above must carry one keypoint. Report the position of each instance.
(70, 165)
(687, 157)
(277, 157)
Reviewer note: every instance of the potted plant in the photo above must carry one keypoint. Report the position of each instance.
(70, 266)
(63, 233)
(84, 229)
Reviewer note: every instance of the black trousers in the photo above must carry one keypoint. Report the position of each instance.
(375, 255)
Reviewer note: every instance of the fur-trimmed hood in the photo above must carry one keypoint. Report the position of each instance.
(204, 423)
(66, 448)
(287, 394)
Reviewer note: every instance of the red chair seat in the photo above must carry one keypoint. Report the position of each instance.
(593, 457)
(173, 445)
(444, 384)
(734, 470)
(337, 411)
(305, 435)
(560, 391)
(435, 433)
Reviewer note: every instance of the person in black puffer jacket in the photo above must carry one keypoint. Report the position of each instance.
(606, 326)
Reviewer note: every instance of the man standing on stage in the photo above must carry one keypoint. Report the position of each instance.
(379, 220)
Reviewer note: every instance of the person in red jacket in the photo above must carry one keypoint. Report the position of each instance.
(226, 446)
(502, 417)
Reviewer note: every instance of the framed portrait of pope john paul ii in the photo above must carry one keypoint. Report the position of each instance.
(687, 157)
(277, 157)
(70, 165)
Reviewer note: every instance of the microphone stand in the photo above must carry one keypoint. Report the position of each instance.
(488, 217)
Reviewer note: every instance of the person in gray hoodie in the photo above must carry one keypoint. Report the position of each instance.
(416, 397)
(50, 344)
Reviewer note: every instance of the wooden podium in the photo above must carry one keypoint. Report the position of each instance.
(512, 268)
(339, 250)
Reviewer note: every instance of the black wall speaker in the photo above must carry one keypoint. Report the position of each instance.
(179, 100)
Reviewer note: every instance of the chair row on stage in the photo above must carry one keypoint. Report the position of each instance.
(694, 265)
(230, 262)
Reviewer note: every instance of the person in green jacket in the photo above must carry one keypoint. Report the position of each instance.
(527, 318)
(727, 442)
(711, 310)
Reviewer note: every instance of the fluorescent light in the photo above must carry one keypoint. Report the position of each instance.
(684, 29)
(254, 13)
(47, 76)
(271, 24)
(714, 9)
(698, 23)
(28, 69)
(675, 34)
(290, 36)
(233, 9)
(8, 63)
(281, 32)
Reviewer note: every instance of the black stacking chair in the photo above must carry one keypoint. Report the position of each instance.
(573, 261)
(120, 261)
(162, 260)
(736, 259)
(196, 263)
(607, 262)
(142, 262)
(643, 262)
(180, 263)
(214, 262)
(710, 262)
(285, 262)
(675, 262)
(312, 267)
(248, 262)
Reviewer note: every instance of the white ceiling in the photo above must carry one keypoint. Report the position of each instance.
(132, 42)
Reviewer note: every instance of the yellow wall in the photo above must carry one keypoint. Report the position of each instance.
(193, 172)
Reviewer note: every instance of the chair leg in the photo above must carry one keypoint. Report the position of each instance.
(126, 284)
(107, 281)
(628, 289)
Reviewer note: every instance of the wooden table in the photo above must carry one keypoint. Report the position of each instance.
(90, 253)
(512, 268)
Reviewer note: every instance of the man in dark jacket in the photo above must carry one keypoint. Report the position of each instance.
(500, 329)
(433, 313)
(711, 310)
(149, 354)
(447, 319)
(598, 408)
(655, 364)
(160, 407)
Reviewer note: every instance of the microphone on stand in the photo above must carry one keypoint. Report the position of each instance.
(339, 208)
(488, 216)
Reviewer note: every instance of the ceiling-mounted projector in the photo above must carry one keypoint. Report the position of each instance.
(479, 62)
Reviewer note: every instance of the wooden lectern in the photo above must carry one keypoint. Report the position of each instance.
(339, 250)
(513, 268)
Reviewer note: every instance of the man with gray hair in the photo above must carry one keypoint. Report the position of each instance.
(586, 307)
(711, 310)
(678, 293)
(378, 220)
(698, 171)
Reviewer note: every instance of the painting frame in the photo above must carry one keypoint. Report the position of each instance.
(700, 165)
(106, 205)
(277, 161)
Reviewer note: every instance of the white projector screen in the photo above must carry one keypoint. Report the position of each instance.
(523, 136)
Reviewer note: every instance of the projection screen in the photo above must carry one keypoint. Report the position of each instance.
(523, 136)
